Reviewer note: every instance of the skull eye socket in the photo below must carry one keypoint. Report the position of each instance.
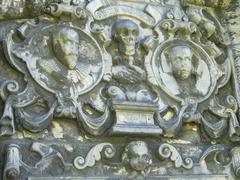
(125, 32)
(187, 59)
(135, 32)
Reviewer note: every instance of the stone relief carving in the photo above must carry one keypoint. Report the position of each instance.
(235, 161)
(135, 155)
(180, 69)
(94, 155)
(134, 69)
(138, 156)
(15, 164)
(65, 65)
(12, 167)
(166, 151)
(64, 60)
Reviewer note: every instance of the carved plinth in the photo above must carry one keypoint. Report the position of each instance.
(135, 118)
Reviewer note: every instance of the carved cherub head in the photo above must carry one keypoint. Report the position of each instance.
(137, 155)
(65, 46)
(126, 33)
(180, 57)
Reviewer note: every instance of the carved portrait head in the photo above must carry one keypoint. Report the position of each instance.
(180, 57)
(184, 70)
(66, 60)
(65, 46)
(137, 155)
(126, 33)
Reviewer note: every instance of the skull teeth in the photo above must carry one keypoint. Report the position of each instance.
(130, 41)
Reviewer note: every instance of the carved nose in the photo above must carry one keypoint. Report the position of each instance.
(131, 38)
(131, 34)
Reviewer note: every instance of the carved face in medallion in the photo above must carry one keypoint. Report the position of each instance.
(126, 32)
(181, 61)
(184, 70)
(67, 61)
(65, 47)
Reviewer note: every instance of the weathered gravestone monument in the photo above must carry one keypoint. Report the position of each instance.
(119, 89)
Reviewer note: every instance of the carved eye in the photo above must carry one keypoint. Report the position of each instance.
(67, 42)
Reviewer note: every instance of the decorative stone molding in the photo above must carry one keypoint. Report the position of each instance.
(119, 89)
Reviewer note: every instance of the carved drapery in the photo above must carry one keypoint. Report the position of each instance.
(140, 86)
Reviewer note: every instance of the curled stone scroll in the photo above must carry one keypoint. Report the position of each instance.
(149, 77)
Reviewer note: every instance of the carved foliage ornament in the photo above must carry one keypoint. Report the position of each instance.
(121, 68)
(141, 73)
(136, 155)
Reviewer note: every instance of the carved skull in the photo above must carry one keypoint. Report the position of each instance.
(126, 33)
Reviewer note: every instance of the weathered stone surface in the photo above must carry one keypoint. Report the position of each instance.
(108, 89)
